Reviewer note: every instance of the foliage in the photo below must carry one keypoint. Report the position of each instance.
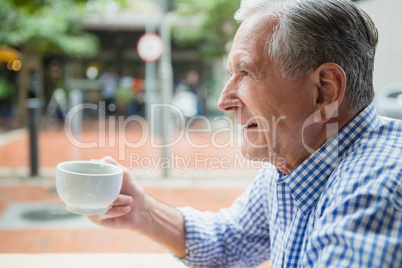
(215, 25)
(46, 26)
(5, 88)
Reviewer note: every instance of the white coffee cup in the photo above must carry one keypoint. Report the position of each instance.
(88, 188)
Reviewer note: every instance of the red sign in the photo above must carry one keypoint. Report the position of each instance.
(150, 47)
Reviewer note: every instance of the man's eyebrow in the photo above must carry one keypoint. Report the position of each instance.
(245, 67)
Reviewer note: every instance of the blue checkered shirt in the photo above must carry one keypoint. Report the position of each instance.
(342, 207)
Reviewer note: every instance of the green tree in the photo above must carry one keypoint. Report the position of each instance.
(214, 25)
(40, 27)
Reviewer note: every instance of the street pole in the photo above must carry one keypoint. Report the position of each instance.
(33, 109)
(166, 71)
(76, 98)
(150, 78)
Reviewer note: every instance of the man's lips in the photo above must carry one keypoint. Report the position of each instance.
(251, 125)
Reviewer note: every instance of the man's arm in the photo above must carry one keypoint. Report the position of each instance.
(165, 225)
(237, 236)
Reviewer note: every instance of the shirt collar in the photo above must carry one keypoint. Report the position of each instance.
(307, 181)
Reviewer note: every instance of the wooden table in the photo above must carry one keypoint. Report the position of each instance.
(89, 260)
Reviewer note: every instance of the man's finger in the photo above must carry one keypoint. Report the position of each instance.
(114, 212)
(123, 200)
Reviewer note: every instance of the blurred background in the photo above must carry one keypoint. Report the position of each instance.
(120, 58)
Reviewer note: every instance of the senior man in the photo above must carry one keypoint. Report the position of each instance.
(335, 199)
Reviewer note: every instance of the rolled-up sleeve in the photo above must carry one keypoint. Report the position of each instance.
(237, 236)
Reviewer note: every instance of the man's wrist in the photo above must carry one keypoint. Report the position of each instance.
(162, 223)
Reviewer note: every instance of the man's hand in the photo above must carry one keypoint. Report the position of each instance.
(122, 213)
(135, 210)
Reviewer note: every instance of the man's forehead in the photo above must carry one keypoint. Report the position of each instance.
(239, 58)
(258, 26)
(251, 38)
(251, 61)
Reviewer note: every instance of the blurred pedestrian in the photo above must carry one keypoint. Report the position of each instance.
(124, 93)
(191, 85)
(109, 80)
(137, 96)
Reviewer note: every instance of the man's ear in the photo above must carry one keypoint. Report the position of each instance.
(330, 82)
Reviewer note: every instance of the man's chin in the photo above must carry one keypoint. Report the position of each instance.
(265, 156)
(256, 154)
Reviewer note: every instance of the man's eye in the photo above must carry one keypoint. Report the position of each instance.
(244, 73)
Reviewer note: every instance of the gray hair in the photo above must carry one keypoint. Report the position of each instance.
(309, 33)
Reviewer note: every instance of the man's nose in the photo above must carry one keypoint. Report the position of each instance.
(229, 101)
